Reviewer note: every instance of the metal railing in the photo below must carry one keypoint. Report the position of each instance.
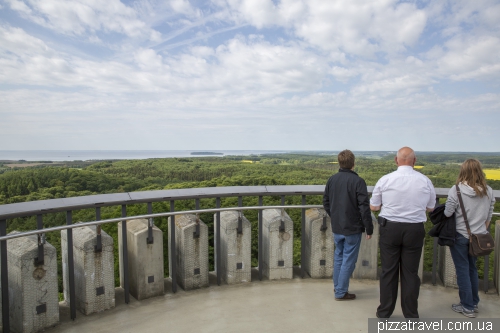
(68, 205)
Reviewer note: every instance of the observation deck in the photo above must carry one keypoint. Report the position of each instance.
(296, 305)
(288, 305)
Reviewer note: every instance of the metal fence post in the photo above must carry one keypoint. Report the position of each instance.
(435, 255)
(173, 258)
(5, 278)
(150, 239)
(98, 246)
(303, 239)
(259, 232)
(126, 287)
(282, 225)
(239, 229)
(41, 240)
(71, 266)
(486, 270)
(217, 241)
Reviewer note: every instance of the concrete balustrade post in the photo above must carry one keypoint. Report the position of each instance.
(33, 293)
(191, 247)
(277, 244)
(367, 264)
(235, 247)
(421, 265)
(319, 247)
(145, 259)
(446, 267)
(94, 270)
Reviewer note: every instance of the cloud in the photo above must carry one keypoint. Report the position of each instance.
(405, 84)
(263, 70)
(457, 16)
(147, 59)
(360, 28)
(238, 69)
(78, 17)
(17, 41)
(471, 58)
(255, 64)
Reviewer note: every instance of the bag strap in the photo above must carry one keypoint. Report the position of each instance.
(463, 209)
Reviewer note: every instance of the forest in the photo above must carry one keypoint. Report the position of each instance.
(62, 180)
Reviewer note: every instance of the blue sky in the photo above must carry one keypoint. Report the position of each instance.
(250, 74)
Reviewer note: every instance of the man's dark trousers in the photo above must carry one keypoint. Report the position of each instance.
(400, 250)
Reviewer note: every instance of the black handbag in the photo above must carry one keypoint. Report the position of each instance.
(479, 244)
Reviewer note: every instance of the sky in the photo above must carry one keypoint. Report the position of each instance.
(250, 74)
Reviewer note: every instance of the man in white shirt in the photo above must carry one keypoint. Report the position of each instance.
(404, 196)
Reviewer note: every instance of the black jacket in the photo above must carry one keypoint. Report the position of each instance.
(346, 202)
(444, 227)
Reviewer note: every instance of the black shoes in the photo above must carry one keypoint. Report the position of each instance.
(346, 297)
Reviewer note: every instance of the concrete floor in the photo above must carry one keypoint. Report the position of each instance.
(297, 305)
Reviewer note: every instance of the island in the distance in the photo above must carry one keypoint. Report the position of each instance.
(205, 153)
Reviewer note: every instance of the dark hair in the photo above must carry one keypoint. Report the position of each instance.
(346, 159)
(472, 173)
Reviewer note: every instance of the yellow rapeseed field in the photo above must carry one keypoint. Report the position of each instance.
(418, 166)
(493, 174)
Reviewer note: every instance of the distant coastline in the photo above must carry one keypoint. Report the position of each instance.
(205, 153)
(55, 156)
(112, 155)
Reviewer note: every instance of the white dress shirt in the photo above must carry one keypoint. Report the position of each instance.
(404, 195)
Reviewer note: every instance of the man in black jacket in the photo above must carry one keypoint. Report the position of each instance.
(347, 203)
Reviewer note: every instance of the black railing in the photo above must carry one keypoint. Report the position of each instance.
(68, 205)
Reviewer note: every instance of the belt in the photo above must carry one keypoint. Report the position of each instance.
(403, 222)
(382, 221)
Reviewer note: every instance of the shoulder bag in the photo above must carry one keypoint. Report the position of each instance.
(479, 244)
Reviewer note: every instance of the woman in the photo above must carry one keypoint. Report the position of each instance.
(478, 202)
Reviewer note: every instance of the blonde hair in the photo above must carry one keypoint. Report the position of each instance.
(472, 174)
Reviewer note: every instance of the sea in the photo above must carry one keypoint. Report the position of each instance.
(92, 155)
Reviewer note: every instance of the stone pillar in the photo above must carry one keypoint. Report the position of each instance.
(235, 247)
(367, 264)
(446, 267)
(94, 271)
(145, 260)
(421, 265)
(277, 244)
(496, 267)
(191, 251)
(319, 247)
(33, 293)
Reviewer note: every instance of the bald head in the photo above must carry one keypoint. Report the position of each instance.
(405, 156)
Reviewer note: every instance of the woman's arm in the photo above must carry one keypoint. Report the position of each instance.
(451, 202)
